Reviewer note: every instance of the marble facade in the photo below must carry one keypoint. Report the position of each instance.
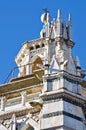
(49, 92)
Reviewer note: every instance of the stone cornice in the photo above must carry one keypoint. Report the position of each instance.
(64, 93)
(21, 84)
(33, 88)
(62, 73)
(69, 42)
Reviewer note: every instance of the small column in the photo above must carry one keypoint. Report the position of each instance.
(27, 67)
(28, 62)
(23, 95)
(3, 101)
(47, 57)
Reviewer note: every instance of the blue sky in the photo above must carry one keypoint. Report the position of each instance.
(20, 22)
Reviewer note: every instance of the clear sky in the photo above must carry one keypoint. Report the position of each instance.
(20, 22)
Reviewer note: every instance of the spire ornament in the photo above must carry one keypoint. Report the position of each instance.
(59, 14)
(70, 26)
(45, 18)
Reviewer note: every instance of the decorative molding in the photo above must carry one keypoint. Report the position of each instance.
(40, 85)
(72, 98)
(19, 113)
(65, 74)
(65, 78)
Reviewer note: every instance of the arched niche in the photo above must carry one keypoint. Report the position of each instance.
(26, 127)
(37, 63)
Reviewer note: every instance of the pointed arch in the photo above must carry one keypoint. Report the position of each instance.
(30, 124)
(37, 62)
(37, 56)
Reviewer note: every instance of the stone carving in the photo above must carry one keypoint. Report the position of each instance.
(3, 103)
(23, 95)
(30, 121)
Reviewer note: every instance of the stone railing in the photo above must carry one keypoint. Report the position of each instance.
(18, 101)
(37, 51)
(13, 102)
(32, 97)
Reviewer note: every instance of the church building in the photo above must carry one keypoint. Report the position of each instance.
(49, 91)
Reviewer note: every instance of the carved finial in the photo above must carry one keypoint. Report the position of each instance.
(70, 17)
(70, 26)
(70, 20)
(59, 14)
(14, 117)
(45, 10)
(45, 17)
(77, 61)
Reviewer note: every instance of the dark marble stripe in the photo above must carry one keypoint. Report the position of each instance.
(62, 113)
